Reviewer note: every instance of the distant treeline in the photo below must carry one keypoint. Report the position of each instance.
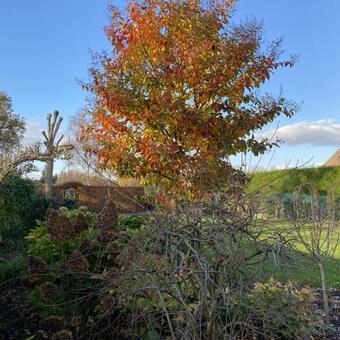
(288, 180)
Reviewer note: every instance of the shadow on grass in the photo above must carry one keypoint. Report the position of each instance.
(300, 268)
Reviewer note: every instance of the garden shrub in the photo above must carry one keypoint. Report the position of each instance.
(20, 206)
(12, 268)
(186, 275)
(131, 221)
(40, 243)
(181, 274)
(280, 310)
(66, 267)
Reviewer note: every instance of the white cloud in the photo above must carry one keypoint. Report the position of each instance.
(33, 133)
(318, 133)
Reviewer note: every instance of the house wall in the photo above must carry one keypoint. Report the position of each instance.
(127, 199)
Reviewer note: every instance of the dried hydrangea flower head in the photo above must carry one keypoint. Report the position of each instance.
(64, 334)
(108, 217)
(106, 304)
(111, 278)
(51, 218)
(62, 230)
(53, 323)
(37, 265)
(76, 322)
(106, 236)
(48, 291)
(112, 249)
(86, 247)
(78, 266)
(80, 224)
(30, 282)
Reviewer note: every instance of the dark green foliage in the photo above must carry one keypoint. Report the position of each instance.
(69, 203)
(20, 205)
(287, 181)
(12, 126)
(78, 294)
(40, 242)
(12, 268)
(57, 255)
(130, 221)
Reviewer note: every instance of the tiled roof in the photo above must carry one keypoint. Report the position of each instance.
(334, 160)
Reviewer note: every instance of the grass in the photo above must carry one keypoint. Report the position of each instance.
(303, 270)
(300, 267)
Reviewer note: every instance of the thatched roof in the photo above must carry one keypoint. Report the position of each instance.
(334, 160)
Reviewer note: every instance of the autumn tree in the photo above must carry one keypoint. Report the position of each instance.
(179, 93)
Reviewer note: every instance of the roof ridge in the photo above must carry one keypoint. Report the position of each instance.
(334, 160)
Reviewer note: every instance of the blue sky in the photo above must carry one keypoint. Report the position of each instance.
(45, 48)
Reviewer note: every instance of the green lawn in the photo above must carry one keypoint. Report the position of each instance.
(300, 267)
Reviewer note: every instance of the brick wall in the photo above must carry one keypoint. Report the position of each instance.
(127, 199)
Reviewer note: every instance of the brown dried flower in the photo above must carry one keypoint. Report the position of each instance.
(62, 335)
(30, 282)
(106, 304)
(86, 247)
(76, 322)
(37, 265)
(51, 218)
(62, 229)
(111, 278)
(78, 265)
(53, 323)
(112, 249)
(48, 291)
(108, 217)
(106, 236)
(80, 224)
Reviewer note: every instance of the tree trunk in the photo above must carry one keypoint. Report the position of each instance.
(49, 179)
(324, 292)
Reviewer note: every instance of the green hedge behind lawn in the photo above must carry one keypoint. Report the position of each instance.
(286, 181)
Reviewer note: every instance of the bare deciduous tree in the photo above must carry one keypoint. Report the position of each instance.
(53, 150)
(317, 228)
(30, 154)
(52, 146)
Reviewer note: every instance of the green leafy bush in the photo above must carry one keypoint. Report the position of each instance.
(130, 221)
(20, 205)
(73, 213)
(65, 275)
(39, 242)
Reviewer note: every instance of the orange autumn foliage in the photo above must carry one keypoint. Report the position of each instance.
(178, 93)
